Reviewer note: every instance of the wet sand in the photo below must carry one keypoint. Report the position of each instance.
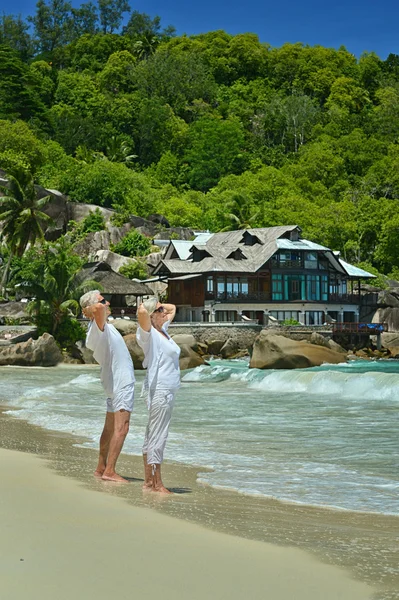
(202, 542)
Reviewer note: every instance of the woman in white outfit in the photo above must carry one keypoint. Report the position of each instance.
(161, 359)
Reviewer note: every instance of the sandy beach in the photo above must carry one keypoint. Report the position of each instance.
(80, 537)
(60, 540)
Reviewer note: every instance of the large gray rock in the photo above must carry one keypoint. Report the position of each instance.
(273, 351)
(42, 352)
(78, 212)
(189, 359)
(115, 261)
(389, 297)
(100, 240)
(13, 310)
(389, 316)
(153, 259)
(125, 326)
(230, 348)
(186, 339)
(136, 352)
(215, 346)
(336, 347)
(57, 209)
(86, 354)
(318, 339)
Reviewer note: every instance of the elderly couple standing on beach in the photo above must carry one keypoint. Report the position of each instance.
(161, 359)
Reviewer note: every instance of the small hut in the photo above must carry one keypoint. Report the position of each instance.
(122, 293)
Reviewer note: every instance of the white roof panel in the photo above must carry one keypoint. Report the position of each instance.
(355, 271)
(299, 245)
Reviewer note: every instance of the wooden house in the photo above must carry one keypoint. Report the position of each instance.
(260, 273)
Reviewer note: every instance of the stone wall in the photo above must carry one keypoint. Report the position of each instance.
(206, 332)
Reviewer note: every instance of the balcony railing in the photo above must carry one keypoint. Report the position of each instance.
(267, 297)
(241, 297)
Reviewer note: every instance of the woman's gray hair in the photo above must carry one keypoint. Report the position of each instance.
(89, 298)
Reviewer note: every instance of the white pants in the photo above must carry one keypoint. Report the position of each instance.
(157, 429)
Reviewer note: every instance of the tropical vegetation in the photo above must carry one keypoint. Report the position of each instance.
(213, 131)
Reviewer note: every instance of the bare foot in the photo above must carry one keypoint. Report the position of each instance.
(98, 473)
(161, 490)
(114, 477)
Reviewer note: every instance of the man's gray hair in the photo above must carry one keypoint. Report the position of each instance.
(89, 298)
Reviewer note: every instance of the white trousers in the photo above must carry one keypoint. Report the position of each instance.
(157, 430)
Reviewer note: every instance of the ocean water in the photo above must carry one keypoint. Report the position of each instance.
(325, 436)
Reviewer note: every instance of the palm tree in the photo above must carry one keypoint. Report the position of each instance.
(57, 290)
(22, 217)
(240, 213)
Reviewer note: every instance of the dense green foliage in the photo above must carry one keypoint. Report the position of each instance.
(136, 270)
(213, 131)
(133, 244)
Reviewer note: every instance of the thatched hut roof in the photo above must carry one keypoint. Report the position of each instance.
(111, 282)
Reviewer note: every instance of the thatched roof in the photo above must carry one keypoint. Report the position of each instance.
(111, 282)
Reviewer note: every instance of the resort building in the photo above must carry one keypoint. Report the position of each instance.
(258, 274)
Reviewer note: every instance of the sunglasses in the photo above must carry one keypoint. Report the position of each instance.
(159, 310)
(103, 301)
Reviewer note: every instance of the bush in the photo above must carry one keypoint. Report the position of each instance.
(133, 244)
(68, 332)
(136, 270)
(290, 322)
(93, 222)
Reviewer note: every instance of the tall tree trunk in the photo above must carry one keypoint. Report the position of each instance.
(4, 279)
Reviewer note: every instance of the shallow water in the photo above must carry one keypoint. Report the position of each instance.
(323, 437)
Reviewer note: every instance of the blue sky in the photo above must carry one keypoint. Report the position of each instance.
(360, 25)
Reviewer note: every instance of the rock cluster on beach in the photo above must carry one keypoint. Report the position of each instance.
(268, 349)
(42, 352)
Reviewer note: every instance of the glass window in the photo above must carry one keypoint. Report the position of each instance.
(220, 287)
(209, 284)
(324, 287)
(314, 317)
(310, 260)
(244, 286)
(313, 287)
(277, 287)
(235, 288)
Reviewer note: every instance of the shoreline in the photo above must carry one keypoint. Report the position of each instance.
(326, 535)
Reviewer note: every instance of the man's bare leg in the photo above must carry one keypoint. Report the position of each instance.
(147, 474)
(104, 444)
(121, 428)
(157, 485)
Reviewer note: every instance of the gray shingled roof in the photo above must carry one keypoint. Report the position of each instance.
(221, 245)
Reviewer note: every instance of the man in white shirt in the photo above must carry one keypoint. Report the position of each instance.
(117, 378)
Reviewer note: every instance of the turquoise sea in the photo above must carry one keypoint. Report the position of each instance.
(325, 436)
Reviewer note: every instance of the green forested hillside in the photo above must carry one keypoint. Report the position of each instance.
(213, 131)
